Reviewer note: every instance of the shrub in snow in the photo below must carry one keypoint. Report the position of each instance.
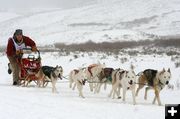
(170, 86)
(177, 64)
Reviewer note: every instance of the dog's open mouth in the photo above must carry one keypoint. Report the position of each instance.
(130, 82)
(83, 82)
(60, 76)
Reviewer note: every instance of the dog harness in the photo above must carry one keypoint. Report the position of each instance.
(107, 73)
(121, 72)
(161, 85)
(150, 74)
(90, 67)
(76, 71)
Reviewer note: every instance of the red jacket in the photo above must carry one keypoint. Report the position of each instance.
(11, 50)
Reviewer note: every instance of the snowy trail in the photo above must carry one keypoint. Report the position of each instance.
(35, 103)
(38, 103)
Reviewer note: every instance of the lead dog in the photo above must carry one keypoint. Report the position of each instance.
(78, 77)
(156, 80)
(123, 79)
(50, 74)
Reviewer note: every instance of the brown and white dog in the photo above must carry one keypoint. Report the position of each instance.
(92, 73)
(156, 80)
(78, 77)
(104, 78)
(123, 79)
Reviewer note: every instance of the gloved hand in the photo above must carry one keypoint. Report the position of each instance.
(34, 48)
(19, 52)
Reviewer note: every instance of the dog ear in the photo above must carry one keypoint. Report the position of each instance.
(126, 72)
(132, 67)
(169, 70)
(163, 70)
(134, 72)
(120, 73)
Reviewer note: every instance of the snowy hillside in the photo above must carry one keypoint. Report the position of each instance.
(117, 19)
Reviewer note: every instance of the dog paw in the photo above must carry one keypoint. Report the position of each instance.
(81, 96)
(160, 104)
(119, 97)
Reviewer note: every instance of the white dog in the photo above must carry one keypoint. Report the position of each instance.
(125, 80)
(78, 77)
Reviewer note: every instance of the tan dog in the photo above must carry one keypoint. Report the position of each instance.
(156, 80)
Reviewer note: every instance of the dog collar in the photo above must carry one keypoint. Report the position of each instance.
(54, 75)
(161, 84)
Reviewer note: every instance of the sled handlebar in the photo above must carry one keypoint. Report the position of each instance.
(30, 49)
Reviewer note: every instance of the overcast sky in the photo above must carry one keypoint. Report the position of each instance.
(44, 3)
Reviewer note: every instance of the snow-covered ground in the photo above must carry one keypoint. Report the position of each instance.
(36, 103)
(101, 20)
(117, 19)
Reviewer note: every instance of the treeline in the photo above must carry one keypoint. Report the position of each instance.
(114, 46)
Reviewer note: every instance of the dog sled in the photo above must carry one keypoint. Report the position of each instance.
(29, 64)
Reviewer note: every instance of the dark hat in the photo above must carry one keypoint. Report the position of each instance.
(18, 32)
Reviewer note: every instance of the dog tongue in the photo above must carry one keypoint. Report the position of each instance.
(60, 76)
(84, 82)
